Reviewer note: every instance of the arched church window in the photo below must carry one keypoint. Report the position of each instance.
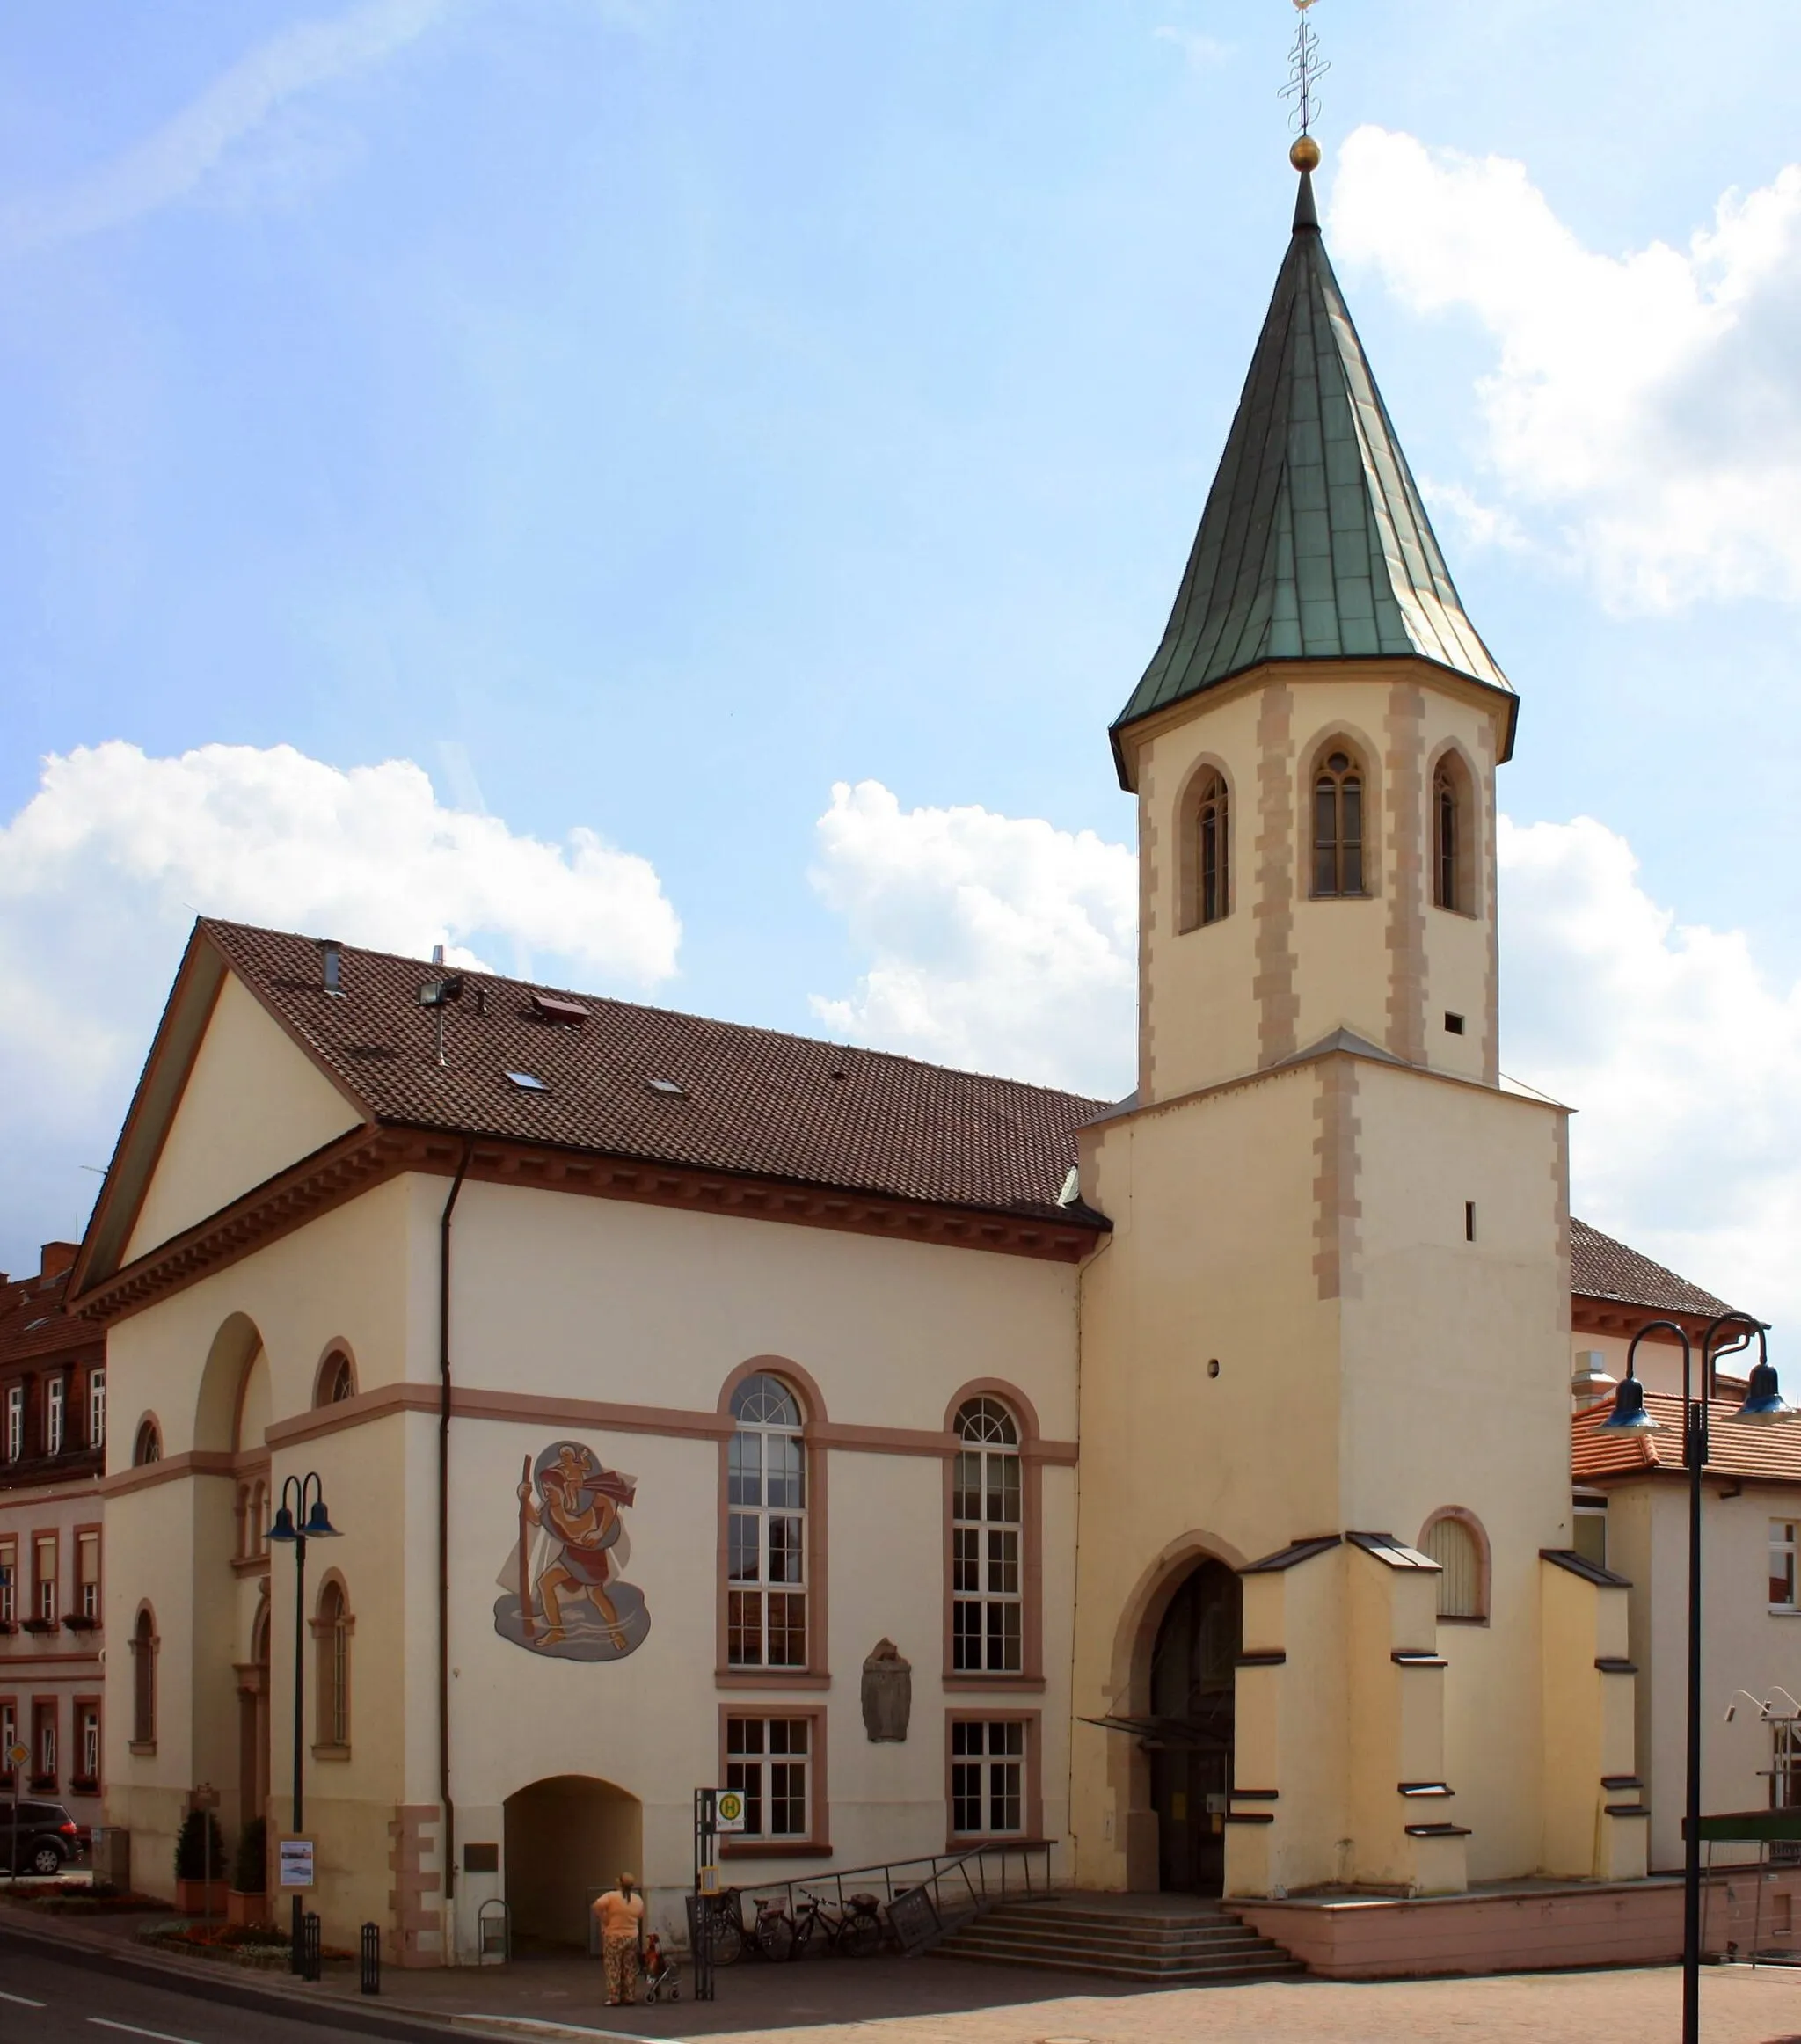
(1213, 849)
(1452, 818)
(987, 1599)
(1337, 825)
(143, 1679)
(766, 1528)
(148, 1446)
(337, 1379)
(1453, 1539)
(332, 1631)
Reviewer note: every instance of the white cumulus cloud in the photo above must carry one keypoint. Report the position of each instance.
(995, 942)
(1643, 412)
(103, 871)
(1004, 944)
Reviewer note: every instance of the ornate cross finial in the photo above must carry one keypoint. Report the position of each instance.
(1306, 68)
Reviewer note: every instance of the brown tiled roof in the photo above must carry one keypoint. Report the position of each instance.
(1734, 1447)
(751, 1100)
(33, 1324)
(1601, 1268)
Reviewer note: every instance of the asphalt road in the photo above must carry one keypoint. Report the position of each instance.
(46, 2000)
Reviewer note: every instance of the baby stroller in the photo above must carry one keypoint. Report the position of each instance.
(662, 1976)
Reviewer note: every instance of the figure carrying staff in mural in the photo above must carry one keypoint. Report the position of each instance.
(565, 1592)
(577, 1505)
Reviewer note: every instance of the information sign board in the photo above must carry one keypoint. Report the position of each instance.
(295, 1861)
(728, 1810)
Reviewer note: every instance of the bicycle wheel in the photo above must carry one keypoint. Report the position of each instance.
(775, 1934)
(860, 1934)
(724, 1931)
(806, 1924)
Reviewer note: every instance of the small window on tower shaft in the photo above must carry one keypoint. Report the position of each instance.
(1469, 1220)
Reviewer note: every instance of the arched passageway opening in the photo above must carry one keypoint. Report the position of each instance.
(1192, 1675)
(566, 1837)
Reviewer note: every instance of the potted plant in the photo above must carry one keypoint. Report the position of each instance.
(248, 1901)
(200, 1867)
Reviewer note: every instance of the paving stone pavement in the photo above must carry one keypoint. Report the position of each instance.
(1737, 2006)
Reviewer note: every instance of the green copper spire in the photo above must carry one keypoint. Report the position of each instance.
(1315, 544)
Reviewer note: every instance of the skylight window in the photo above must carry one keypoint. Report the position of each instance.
(549, 1008)
(674, 1088)
(529, 1082)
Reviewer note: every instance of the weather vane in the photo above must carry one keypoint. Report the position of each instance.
(1306, 68)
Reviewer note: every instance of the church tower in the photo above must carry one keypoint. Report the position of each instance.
(1328, 1630)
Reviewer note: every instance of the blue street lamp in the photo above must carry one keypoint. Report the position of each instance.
(295, 1525)
(1764, 1405)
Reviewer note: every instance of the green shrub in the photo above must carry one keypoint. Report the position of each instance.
(250, 1869)
(199, 1850)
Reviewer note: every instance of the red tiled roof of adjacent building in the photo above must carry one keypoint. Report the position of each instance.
(1602, 1268)
(32, 1322)
(1734, 1447)
(731, 1097)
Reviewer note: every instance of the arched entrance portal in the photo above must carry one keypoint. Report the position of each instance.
(1192, 1671)
(566, 1837)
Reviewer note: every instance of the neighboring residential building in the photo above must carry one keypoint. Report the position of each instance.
(53, 1431)
(1631, 1505)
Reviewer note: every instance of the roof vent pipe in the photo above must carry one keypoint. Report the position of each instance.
(331, 964)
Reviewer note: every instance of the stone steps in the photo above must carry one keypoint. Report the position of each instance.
(1167, 1948)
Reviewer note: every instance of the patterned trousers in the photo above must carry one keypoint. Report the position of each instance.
(619, 1956)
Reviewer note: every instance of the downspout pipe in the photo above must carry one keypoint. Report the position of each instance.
(449, 1808)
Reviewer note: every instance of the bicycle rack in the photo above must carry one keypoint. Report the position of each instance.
(493, 1933)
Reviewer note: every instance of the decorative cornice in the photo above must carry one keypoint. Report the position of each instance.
(366, 1157)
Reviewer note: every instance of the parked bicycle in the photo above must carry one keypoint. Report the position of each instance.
(855, 1930)
(770, 1936)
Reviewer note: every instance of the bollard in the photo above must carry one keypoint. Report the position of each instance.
(371, 1980)
(309, 1966)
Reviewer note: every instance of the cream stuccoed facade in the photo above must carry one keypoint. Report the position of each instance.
(660, 1374)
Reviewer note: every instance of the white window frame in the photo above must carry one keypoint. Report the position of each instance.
(45, 1586)
(987, 1777)
(15, 1422)
(988, 1542)
(87, 1541)
(9, 1580)
(1588, 1505)
(44, 1741)
(1785, 1764)
(96, 1408)
(1783, 1566)
(772, 1770)
(766, 1504)
(88, 1724)
(56, 1415)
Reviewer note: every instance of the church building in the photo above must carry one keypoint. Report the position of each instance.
(1193, 1472)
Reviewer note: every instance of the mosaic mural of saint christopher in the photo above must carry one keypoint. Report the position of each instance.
(565, 1594)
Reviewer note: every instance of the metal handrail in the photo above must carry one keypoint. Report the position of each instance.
(956, 1885)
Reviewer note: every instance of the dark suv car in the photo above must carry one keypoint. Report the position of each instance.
(44, 1839)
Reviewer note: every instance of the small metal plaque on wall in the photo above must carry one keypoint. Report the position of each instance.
(481, 1859)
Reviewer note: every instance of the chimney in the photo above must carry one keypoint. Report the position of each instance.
(332, 964)
(437, 954)
(56, 1258)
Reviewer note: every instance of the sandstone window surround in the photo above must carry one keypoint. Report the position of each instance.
(776, 1761)
(993, 1782)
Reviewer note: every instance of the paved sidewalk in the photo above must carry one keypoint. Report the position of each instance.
(892, 2001)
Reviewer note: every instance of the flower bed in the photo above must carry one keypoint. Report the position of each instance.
(255, 1946)
(80, 1898)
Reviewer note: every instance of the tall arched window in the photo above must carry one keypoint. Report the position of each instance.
(1454, 1539)
(143, 1680)
(1212, 851)
(766, 1529)
(1446, 865)
(148, 1447)
(332, 1634)
(987, 1593)
(1338, 825)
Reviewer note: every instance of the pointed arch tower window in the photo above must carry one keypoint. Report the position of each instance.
(1338, 825)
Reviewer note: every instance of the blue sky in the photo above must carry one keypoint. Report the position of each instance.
(643, 416)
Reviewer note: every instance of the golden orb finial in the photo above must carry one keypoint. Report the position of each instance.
(1305, 153)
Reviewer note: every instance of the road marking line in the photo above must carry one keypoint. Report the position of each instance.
(132, 2030)
(24, 2001)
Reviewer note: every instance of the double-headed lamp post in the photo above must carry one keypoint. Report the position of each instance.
(295, 1523)
(1764, 1405)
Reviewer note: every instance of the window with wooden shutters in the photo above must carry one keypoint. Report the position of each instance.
(766, 1528)
(1456, 1545)
(1337, 825)
(988, 1605)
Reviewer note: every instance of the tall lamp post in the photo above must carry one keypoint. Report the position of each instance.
(1764, 1405)
(296, 1523)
